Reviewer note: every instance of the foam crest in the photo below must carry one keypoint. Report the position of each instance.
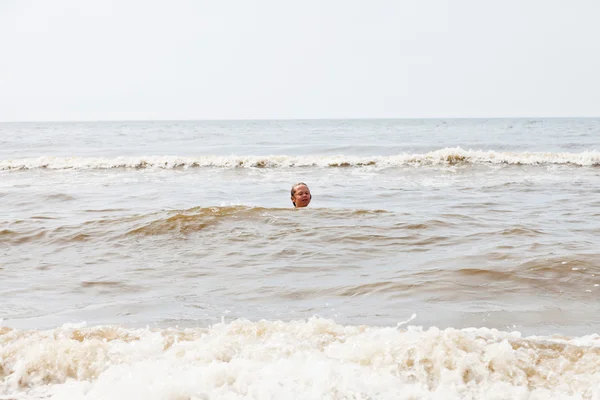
(311, 359)
(447, 156)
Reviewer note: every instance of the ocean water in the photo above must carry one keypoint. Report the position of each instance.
(438, 259)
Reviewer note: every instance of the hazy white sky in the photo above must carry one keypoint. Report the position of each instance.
(193, 59)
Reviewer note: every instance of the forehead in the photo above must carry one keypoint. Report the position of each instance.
(301, 188)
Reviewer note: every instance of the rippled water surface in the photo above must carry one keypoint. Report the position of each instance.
(163, 230)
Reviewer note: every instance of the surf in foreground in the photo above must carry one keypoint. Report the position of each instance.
(307, 359)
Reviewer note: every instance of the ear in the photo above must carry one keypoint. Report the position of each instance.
(311, 196)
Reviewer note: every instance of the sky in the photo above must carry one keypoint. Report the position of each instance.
(79, 60)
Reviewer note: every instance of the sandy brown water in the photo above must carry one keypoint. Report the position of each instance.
(524, 258)
(151, 246)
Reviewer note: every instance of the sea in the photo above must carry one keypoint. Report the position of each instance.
(438, 259)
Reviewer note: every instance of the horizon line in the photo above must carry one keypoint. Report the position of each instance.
(294, 119)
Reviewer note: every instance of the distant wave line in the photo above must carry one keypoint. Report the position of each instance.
(442, 157)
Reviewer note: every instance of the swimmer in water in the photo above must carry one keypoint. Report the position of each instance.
(301, 195)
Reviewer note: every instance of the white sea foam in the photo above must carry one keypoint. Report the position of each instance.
(447, 156)
(312, 359)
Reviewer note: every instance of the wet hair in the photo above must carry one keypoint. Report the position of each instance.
(293, 191)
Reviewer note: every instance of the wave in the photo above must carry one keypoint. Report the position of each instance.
(195, 219)
(198, 218)
(314, 358)
(447, 156)
(179, 222)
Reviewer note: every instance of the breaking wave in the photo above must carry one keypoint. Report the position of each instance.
(315, 358)
(447, 156)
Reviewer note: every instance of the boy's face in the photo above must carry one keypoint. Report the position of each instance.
(301, 196)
